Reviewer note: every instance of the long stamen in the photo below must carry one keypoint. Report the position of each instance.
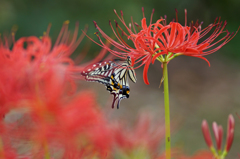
(138, 26)
(75, 33)
(115, 33)
(123, 32)
(130, 26)
(74, 44)
(196, 24)
(13, 37)
(200, 26)
(116, 44)
(121, 14)
(165, 17)
(121, 37)
(133, 25)
(123, 22)
(48, 29)
(65, 33)
(60, 35)
(143, 12)
(176, 14)
(152, 16)
(185, 17)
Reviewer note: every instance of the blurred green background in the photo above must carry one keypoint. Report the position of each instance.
(197, 91)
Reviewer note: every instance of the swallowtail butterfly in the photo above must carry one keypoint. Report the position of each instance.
(113, 74)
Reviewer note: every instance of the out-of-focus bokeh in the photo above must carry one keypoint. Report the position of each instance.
(197, 91)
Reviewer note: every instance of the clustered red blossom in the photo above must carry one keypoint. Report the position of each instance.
(153, 41)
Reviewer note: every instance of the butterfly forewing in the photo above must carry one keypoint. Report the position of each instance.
(132, 75)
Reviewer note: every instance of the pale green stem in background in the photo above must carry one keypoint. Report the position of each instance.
(167, 112)
(219, 152)
(1, 149)
(46, 150)
(224, 154)
(214, 152)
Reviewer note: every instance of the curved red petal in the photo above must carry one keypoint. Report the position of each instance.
(191, 51)
(157, 55)
(172, 34)
(203, 59)
(206, 133)
(220, 131)
(216, 133)
(145, 70)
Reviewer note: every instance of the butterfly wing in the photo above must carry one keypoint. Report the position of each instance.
(120, 77)
(113, 76)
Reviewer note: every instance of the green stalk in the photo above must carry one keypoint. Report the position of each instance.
(47, 153)
(167, 111)
(1, 149)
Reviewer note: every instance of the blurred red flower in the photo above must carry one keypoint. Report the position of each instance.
(144, 137)
(199, 155)
(31, 61)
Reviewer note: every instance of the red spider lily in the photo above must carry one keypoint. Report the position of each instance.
(218, 134)
(69, 122)
(199, 155)
(76, 126)
(34, 62)
(73, 124)
(23, 68)
(145, 137)
(160, 38)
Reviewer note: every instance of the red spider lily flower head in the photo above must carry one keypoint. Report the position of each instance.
(145, 136)
(163, 41)
(30, 62)
(81, 123)
(73, 124)
(218, 134)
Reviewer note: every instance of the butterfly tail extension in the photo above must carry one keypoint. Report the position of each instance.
(114, 100)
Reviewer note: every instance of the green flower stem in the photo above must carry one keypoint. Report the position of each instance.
(1, 149)
(167, 111)
(215, 154)
(224, 154)
(175, 55)
(46, 149)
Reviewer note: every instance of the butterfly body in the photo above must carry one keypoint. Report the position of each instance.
(113, 74)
